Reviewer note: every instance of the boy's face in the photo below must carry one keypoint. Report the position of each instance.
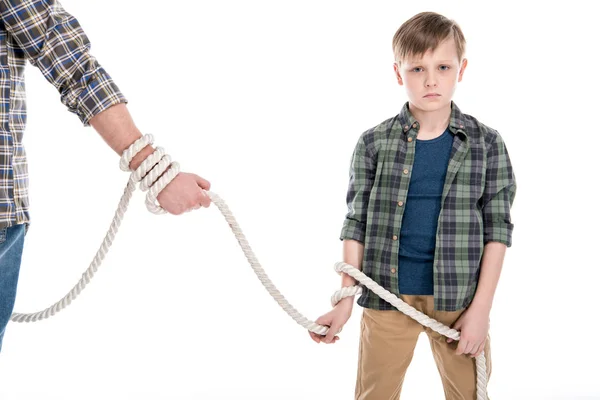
(437, 72)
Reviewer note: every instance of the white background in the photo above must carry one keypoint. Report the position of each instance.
(266, 100)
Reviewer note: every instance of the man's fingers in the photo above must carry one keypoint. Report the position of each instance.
(203, 183)
(202, 199)
(205, 200)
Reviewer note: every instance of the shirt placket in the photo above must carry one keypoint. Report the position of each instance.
(408, 135)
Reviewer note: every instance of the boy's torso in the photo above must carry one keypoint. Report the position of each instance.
(459, 244)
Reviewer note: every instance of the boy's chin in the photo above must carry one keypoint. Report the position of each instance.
(431, 104)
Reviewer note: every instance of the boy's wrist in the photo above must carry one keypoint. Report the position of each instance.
(347, 280)
(481, 306)
(346, 302)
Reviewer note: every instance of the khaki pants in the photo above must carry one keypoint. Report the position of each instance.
(387, 342)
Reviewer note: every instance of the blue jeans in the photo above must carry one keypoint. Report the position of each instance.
(11, 249)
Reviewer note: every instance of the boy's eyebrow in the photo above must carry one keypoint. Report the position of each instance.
(419, 61)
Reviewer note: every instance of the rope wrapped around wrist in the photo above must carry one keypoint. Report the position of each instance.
(157, 164)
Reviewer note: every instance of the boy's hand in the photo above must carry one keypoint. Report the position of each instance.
(473, 324)
(335, 319)
(184, 193)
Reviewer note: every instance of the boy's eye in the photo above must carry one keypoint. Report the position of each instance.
(445, 68)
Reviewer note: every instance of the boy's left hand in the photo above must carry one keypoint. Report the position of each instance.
(473, 324)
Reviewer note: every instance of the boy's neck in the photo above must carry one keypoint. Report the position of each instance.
(432, 121)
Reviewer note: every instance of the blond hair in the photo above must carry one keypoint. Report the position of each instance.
(425, 31)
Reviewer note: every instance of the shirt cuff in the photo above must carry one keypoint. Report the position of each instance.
(498, 232)
(99, 94)
(353, 229)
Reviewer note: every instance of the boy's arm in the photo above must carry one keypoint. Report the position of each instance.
(498, 197)
(362, 175)
(353, 254)
(54, 42)
(489, 274)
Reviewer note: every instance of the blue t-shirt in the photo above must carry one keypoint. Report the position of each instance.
(422, 209)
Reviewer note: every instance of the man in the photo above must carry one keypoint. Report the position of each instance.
(42, 32)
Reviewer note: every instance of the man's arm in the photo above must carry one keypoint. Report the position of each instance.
(116, 127)
(54, 42)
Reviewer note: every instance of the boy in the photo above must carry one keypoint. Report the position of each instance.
(429, 219)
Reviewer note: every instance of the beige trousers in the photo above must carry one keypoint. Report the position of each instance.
(387, 342)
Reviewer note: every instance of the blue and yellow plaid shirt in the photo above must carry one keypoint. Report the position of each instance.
(42, 32)
(478, 193)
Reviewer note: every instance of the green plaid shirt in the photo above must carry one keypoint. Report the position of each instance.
(478, 193)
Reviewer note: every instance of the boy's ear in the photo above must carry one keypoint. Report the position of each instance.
(397, 73)
(462, 69)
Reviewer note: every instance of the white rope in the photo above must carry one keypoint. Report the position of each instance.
(150, 169)
(345, 292)
(414, 314)
(153, 167)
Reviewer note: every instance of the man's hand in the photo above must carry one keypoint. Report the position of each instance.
(184, 193)
(474, 325)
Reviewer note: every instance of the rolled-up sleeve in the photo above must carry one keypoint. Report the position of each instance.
(499, 195)
(54, 41)
(362, 175)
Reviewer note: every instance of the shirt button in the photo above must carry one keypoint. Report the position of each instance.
(405, 171)
(406, 128)
(410, 139)
(462, 126)
(393, 270)
(415, 125)
(395, 237)
(400, 203)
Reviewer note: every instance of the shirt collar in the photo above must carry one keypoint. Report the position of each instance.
(457, 120)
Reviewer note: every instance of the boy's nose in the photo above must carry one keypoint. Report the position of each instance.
(430, 81)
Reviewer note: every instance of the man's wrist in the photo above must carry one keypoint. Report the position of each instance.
(140, 157)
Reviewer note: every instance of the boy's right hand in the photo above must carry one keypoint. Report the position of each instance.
(335, 319)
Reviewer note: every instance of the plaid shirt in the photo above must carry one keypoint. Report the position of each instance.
(478, 193)
(42, 32)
